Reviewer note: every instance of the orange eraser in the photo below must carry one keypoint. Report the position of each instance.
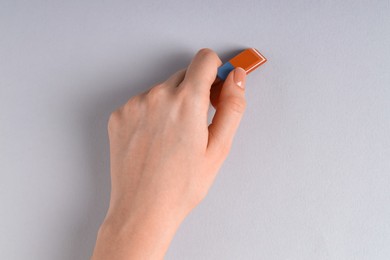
(249, 60)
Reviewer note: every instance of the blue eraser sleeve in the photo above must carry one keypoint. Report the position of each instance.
(224, 70)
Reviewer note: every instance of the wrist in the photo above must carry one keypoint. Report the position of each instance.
(142, 235)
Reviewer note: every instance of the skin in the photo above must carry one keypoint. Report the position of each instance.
(165, 157)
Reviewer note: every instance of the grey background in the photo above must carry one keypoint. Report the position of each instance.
(308, 176)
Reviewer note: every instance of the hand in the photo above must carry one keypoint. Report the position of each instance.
(165, 156)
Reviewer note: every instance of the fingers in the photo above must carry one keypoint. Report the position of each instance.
(229, 111)
(176, 78)
(202, 71)
(172, 82)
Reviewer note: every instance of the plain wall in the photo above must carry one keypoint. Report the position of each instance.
(308, 176)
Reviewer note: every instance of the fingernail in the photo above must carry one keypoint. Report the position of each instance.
(239, 77)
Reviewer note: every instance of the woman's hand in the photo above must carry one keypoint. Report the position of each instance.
(165, 156)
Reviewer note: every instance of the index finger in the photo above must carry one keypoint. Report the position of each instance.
(202, 71)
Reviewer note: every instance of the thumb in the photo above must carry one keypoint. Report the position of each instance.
(229, 111)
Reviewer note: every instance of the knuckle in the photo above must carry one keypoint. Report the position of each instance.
(131, 106)
(186, 90)
(188, 87)
(129, 110)
(156, 90)
(132, 102)
(114, 119)
(207, 53)
(156, 93)
(192, 99)
(193, 89)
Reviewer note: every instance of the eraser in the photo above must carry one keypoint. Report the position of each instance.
(249, 59)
